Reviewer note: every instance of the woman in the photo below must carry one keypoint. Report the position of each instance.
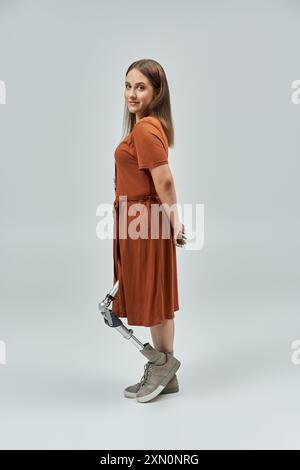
(146, 266)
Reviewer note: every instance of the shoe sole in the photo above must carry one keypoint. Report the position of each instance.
(129, 394)
(159, 389)
(134, 394)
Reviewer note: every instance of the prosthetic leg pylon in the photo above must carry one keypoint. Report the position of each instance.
(112, 320)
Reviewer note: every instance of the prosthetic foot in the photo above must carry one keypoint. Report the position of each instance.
(159, 373)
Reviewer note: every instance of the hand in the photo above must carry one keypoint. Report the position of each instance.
(180, 238)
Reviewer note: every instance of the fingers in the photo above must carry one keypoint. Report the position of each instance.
(181, 241)
(183, 238)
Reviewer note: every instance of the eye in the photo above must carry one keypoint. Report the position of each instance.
(141, 87)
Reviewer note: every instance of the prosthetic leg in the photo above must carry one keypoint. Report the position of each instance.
(113, 321)
(159, 381)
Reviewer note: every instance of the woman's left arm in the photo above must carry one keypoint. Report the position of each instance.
(164, 184)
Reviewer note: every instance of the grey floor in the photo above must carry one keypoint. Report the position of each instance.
(62, 385)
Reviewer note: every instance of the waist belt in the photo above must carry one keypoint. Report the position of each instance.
(136, 198)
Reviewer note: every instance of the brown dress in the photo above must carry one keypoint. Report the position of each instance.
(145, 267)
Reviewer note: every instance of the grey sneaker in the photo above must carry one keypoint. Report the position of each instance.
(171, 387)
(158, 372)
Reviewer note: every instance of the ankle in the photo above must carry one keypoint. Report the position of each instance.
(168, 353)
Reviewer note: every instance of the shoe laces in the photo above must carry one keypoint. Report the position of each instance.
(147, 372)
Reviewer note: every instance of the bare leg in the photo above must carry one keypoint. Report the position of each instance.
(163, 335)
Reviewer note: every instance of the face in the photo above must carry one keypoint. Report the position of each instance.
(139, 90)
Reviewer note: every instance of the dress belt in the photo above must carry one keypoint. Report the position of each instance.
(136, 198)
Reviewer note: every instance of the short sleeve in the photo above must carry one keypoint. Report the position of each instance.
(149, 145)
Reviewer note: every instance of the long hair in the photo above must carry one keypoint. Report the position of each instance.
(160, 106)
